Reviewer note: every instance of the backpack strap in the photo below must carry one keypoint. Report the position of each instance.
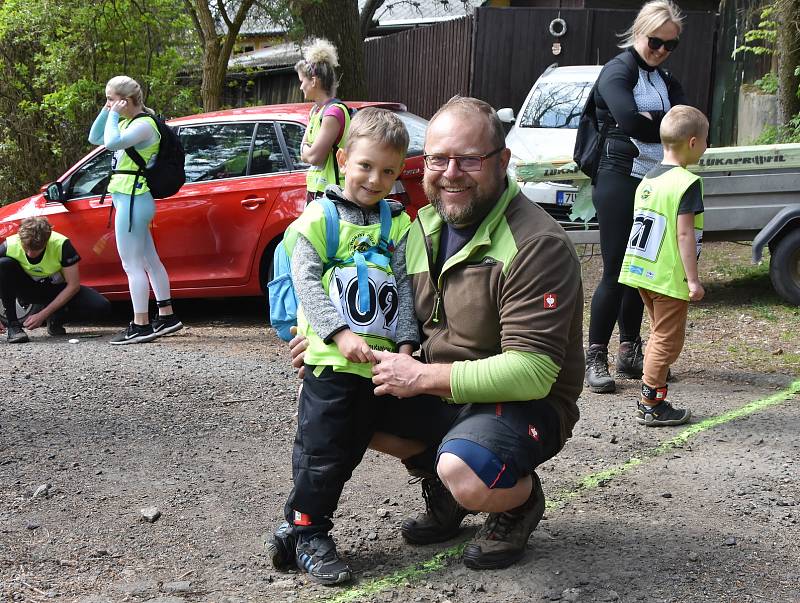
(331, 229)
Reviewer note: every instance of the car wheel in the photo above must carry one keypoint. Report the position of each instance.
(784, 267)
(265, 271)
(23, 311)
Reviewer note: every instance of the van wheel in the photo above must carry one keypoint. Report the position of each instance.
(784, 267)
(23, 311)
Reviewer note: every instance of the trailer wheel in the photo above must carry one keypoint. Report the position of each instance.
(784, 267)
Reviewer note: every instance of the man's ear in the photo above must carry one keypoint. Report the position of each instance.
(341, 159)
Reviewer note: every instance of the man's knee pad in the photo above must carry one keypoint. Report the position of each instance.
(658, 394)
(485, 463)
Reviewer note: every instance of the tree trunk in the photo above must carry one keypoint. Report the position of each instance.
(787, 13)
(213, 76)
(337, 21)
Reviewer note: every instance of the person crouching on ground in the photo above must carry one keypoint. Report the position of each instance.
(337, 406)
(40, 266)
(662, 253)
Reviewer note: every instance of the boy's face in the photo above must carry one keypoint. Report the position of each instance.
(370, 170)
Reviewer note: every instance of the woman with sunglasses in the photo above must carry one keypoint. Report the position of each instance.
(632, 95)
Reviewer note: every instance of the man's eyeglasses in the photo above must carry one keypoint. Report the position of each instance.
(465, 163)
(656, 43)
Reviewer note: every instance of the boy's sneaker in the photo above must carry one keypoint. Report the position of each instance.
(16, 334)
(55, 328)
(598, 378)
(442, 517)
(316, 554)
(504, 536)
(134, 334)
(630, 360)
(662, 415)
(281, 547)
(162, 325)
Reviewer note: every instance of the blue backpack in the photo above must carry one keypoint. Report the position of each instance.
(282, 297)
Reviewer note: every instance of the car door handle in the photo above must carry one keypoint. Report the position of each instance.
(253, 202)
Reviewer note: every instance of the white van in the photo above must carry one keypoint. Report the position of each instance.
(546, 127)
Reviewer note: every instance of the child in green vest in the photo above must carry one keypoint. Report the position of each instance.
(350, 304)
(661, 257)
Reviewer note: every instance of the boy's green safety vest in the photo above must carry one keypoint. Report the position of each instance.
(652, 259)
(377, 323)
(123, 183)
(317, 178)
(50, 263)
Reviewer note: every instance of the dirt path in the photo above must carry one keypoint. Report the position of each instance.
(199, 425)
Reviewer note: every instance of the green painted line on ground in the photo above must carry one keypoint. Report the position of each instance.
(590, 482)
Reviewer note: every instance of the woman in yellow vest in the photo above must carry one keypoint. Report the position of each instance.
(116, 128)
(328, 121)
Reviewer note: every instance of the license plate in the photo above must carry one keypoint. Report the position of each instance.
(565, 198)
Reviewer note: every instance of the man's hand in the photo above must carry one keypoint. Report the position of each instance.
(696, 291)
(34, 321)
(297, 349)
(353, 347)
(398, 375)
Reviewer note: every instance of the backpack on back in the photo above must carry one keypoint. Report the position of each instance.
(589, 139)
(166, 176)
(283, 302)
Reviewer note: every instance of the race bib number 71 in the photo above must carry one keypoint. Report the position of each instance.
(647, 234)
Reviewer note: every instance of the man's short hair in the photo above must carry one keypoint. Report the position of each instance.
(34, 232)
(468, 105)
(379, 126)
(681, 123)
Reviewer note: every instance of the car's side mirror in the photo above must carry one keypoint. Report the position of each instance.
(506, 115)
(54, 192)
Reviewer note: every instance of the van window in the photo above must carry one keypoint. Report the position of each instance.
(556, 105)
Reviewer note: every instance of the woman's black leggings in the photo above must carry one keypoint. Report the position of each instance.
(613, 196)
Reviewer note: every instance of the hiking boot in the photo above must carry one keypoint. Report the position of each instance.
(134, 334)
(503, 538)
(442, 517)
(16, 334)
(597, 376)
(281, 547)
(163, 325)
(630, 360)
(661, 415)
(55, 328)
(316, 554)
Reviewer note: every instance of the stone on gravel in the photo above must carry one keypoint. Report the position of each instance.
(95, 599)
(666, 495)
(730, 541)
(150, 514)
(180, 586)
(138, 588)
(693, 556)
(32, 524)
(166, 600)
(382, 513)
(571, 594)
(609, 595)
(42, 491)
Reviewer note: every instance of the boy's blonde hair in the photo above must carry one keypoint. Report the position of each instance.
(34, 232)
(651, 16)
(680, 124)
(380, 126)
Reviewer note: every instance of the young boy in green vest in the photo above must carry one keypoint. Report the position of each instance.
(350, 304)
(661, 257)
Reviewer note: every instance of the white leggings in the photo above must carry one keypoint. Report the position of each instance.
(137, 251)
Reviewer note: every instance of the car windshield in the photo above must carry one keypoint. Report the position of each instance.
(555, 105)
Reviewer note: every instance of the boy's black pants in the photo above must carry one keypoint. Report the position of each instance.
(87, 304)
(337, 413)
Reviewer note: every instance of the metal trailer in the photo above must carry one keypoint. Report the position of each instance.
(750, 194)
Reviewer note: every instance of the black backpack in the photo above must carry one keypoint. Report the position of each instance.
(590, 138)
(166, 176)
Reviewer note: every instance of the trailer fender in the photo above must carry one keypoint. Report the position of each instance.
(776, 227)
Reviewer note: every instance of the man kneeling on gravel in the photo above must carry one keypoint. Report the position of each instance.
(498, 295)
(40, 266)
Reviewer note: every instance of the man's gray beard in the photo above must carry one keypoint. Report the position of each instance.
(477, 209)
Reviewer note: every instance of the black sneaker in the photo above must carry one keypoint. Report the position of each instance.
(630, 360)
(662, 415)
(134, 334)
(281, 547)
(503, 538)
(55, 328)
(597, 376)
(162, 325)
(442, 517)
(16, 334)
(316, 554)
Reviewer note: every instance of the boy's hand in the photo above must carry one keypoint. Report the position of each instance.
(353, 347)
(696, 291)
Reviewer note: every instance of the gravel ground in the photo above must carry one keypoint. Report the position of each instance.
(199, 425)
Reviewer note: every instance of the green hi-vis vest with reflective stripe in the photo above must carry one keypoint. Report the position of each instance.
(50, 263)
(378, 325)
(317, 178)
(123, 183)
(652, 259)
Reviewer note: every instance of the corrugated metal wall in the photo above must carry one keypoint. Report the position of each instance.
(421, 68)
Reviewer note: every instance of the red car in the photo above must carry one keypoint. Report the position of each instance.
(245, 183)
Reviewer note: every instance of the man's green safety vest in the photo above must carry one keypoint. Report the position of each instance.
(50, 263)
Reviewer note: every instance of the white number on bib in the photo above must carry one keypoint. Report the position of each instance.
(381, 317)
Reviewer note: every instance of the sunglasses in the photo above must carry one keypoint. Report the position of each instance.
(656, 43)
